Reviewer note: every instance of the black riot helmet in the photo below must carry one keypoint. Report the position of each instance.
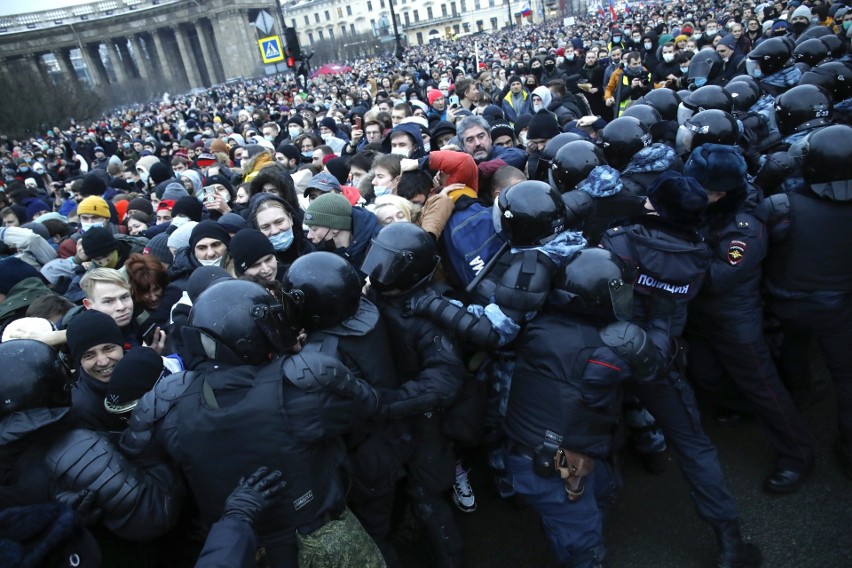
(801, 108)
(664, 100)
(33, 377)
(713, 126)
(747, 79)
(812, 33)
(531, 213)
(328, 287)
(777, 167)
(705, 66)
(597, 283)
(402, 257)
(836, 46)
(621, 139)
(770, 56)
(572, 164)
(546, 156)
(245, 319)
(743, 95)
(834, 76)
(705, 98)
(826, 165)
(811, 52)
(646, 114)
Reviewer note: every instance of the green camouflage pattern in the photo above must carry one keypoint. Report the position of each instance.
(342, 543)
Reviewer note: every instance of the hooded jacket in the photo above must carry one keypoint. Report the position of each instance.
(412, 130)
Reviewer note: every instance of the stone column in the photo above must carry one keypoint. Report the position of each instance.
(128, 64)
(188, 58)
(94, 66)
(35, 62)
(63, 59)
(241, 57)
(206, 53)
(210, 37)
(140, 60)
(228, 49)
(113, 53)
(162, 58)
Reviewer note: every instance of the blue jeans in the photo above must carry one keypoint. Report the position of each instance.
(574, 528)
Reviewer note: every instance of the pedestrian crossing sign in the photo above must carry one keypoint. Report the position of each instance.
(270, 49)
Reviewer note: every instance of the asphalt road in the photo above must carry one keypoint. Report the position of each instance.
(655, 525)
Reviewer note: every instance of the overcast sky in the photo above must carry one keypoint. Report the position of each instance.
(14, 7)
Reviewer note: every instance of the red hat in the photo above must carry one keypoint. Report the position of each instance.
(560, 51)
(166, 204)
(434, 95)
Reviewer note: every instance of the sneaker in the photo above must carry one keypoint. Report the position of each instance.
(463, 495)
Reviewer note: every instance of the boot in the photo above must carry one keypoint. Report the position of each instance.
(733, 551)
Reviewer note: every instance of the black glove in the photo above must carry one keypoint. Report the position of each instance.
(83, 503)
(254, 494)
(419, 305)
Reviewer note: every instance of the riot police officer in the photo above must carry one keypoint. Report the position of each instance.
(671, 260)
(725, 325)
(400, 265)
(809, 283)
(244, 406)
(564, 404)
(340, 322)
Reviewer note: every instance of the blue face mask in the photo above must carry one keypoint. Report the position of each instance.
(684, 70)
(381, 190)
(700, 81)
(282, 240)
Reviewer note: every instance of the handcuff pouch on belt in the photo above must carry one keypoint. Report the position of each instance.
(549, 458)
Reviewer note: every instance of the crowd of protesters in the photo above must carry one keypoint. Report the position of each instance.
(493, 225)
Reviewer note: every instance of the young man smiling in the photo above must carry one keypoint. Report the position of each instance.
(97, 345)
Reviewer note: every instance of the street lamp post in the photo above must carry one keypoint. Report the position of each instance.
(398, 50)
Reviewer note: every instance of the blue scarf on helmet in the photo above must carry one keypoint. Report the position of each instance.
(603, 181)
(785, 78)
(654, 158)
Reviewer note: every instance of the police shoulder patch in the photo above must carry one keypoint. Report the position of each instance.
(736, 252)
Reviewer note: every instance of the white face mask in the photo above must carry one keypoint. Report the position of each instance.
(326, 136)
(180, 221)
(404, 152)
(668, 57)
(293, 132)
(427, 147)
(211, 261)
(536, 107)
(143, 175)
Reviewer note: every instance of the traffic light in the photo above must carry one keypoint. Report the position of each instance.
(292, 41)
(291, 63)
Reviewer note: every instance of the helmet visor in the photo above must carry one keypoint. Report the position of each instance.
(386, 267)
(753, 68)
(684, 113)
(621, 296)
(683, 140)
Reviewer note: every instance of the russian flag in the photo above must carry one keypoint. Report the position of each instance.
(627, 9)
(612, 10)
(525, 9)
(601, 12)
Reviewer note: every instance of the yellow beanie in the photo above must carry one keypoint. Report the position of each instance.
(94, 205)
